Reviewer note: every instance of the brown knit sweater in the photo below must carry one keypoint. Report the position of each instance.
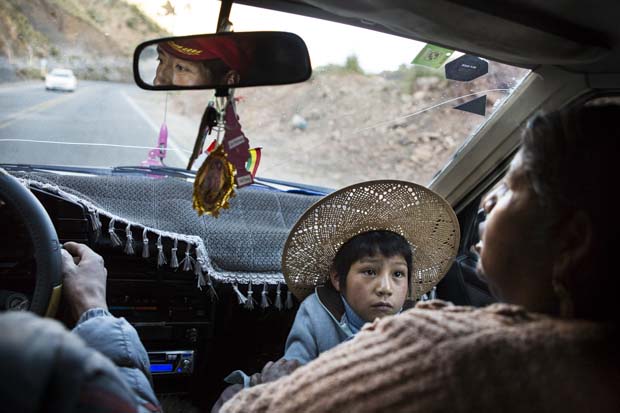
(438, 357)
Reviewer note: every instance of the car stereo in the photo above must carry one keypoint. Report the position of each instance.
(172, 362)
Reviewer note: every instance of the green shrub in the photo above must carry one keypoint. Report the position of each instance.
(408, 74)
(352, 64)
(29, 73)
(131, 22)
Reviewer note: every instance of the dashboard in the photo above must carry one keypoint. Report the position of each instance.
(193, 341)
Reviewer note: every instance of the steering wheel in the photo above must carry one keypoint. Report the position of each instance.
(48, 286)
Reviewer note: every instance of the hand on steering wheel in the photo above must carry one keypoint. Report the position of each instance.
(84, 278)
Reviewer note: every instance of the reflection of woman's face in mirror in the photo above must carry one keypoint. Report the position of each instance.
(173, 70)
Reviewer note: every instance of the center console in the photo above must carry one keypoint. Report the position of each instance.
(173, 318)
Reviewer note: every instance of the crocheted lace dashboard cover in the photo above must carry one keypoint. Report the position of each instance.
(244, 245)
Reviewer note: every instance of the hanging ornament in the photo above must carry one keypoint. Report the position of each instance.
(253, 161)
(208, 122)
(156, 156)
(211, 115)
(211, 146)
(236, 146)
(229, 164)
(213, 186)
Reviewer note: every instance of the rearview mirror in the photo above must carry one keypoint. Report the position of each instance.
(221, 60)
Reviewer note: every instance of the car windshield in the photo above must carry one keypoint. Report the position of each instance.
(368, 112)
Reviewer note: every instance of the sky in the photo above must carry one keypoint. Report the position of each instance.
(327, 42)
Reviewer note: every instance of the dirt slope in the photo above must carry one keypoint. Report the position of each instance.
(94, 37)
(342, 127)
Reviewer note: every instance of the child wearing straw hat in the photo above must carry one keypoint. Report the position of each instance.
(355, 256)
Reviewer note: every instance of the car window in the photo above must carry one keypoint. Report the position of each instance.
(62, 73)
(366, 113)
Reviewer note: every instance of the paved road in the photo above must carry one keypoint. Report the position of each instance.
(100, 113)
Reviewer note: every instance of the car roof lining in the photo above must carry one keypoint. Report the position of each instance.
(524, 33)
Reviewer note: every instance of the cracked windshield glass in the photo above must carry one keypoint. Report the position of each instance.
(377, 106)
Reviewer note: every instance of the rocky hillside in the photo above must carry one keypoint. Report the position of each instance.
(93, 37)
(343, 126)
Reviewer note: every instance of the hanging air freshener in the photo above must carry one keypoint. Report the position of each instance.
(156, 156)
(236, 146)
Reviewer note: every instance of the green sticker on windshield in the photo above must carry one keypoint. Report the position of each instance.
(432, 56)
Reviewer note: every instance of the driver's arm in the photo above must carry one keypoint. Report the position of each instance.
(84, 288)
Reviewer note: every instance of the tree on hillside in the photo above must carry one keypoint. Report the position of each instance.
(352, 64)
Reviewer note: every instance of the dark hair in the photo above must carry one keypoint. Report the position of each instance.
(570, 160)
(367, 244)
(217, 67)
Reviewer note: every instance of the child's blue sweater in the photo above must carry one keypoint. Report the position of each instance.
(319, 325)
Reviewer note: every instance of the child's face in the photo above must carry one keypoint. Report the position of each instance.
(376, 286)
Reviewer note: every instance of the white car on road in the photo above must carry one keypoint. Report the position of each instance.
(61, 79)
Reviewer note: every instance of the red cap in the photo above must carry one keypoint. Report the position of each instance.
(208, 48)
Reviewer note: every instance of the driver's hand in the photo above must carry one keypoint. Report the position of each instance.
(84, 284)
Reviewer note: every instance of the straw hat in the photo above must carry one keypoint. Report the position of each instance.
(420, 215)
